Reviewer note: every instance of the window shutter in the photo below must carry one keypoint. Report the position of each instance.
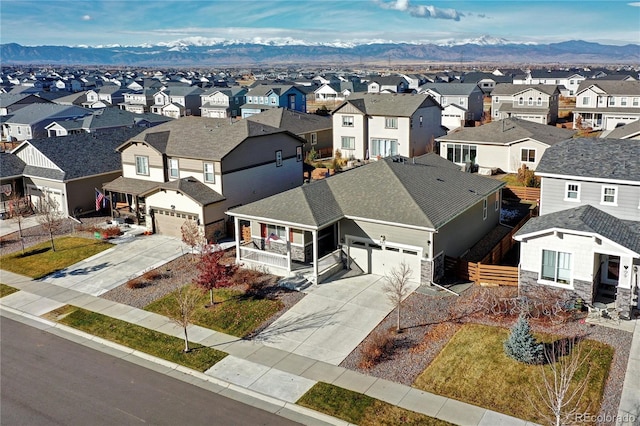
(290, 234)
(263, 230)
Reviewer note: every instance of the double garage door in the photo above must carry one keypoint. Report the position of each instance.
(379, 259)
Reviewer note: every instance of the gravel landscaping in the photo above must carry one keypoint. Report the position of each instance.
(429, 322)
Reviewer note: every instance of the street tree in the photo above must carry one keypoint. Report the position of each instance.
(397, 288)
(50, 217)
(187, 299)
(213, 273)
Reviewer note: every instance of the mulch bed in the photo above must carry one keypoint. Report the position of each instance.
(173, 275)
(429, 322)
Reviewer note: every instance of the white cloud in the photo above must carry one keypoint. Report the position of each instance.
(86, 18)
(634, 4)
(419, 11)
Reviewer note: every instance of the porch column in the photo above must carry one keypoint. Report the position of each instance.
(236, 229)
(314, 233)
(286, 238)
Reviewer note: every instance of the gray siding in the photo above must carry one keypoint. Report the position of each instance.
(552, 198)
(259, 150)
(463, 232)
(393, 234)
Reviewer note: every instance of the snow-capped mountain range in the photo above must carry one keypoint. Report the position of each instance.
(202, 51)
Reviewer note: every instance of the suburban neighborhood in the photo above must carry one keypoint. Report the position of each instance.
(342, 244)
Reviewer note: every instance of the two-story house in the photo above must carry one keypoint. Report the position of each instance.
(197, 168)
(265, 96)
(506, 144)
(567, 79)
(461, 102)
(316, 130)
(138, 101)
(104, 119)
(388, 84)
(586, 241)
(30, 122)
(607, 104)
(538, 102)
(381, 125)
(222, 102)
(177, 101)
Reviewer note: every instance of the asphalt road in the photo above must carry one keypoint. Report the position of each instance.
(47, 380)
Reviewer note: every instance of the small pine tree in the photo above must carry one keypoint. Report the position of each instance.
(521, 345)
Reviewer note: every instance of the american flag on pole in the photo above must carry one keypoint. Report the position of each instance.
(101, 201)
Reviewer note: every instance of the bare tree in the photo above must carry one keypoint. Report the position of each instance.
(187, 299)
(193, 236)
(51, 217)
(17, 214)
(558, 395)
(397, 288)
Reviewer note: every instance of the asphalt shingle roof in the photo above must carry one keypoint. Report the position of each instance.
(193, 188)
(508, 131)
(202, 138)
(586, 219)
(293, 121)
(35, 113)
(395, 104)
(80, 155)
(507, 89)
(10, 165)
(130, 185)
(427, 191)
(624, 132)
(451, 89)
(593, 157)
(613, 87)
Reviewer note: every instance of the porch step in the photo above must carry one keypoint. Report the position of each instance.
(607, 290)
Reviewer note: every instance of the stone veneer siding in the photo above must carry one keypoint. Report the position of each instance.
(297, 252)
(528, 283)
(431, 270)
(624, 300)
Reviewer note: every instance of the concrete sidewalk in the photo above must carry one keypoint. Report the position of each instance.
(253, 368)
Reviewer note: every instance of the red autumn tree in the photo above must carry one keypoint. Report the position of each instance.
(212, 273)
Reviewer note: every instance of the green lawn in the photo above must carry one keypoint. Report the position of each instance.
(136, 337)
(39, 260)
(361, 409)
(234, 313)
(473, 368)
(6, 290)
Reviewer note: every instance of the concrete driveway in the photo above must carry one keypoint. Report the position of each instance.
(332, 319)
(115, 266)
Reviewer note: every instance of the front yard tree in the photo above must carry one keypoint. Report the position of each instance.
(212, 273)
(17, 214)
(521, 345)
(193, 236)
(187, 298)
(50, 217)
(397, 288)
(560, 390)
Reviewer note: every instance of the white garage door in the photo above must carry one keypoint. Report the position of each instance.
(167, 222)
(378, 259)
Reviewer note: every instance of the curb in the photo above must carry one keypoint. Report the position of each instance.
(307, 412)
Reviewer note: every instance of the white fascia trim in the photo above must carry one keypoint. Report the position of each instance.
(273, 221)
(523, 238)
(382, 222)
(588, 179)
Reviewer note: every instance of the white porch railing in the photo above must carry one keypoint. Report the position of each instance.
(264, 257)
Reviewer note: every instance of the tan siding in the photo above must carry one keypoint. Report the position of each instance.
(129, 154)
(393, 234)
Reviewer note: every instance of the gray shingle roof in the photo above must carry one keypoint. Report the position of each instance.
(593, 158)
(613, 87)
(507, 89)
(451, 89)
(81, 155)
(508, 131)
(394, 104)
(10, 165)
(35, 113)
(586, 219)
(625, 132)
(191, 187)
(293, 121)
(427, 193)
(130, 185)
(202, 138)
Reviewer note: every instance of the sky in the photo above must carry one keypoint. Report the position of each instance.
(137, 22)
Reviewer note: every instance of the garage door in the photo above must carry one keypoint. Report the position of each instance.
(378, 259)
(168, 222)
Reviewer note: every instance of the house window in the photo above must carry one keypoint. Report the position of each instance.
(539, 102)
(521, 101)
(612, 101)
(390, 123)
(484, 209)
(623, 101)
(142, 165)
(273, 101)
(19, 130)
(420, 121)
(572, 192)
(173, 168)
(530, 101)
(556, 266)
(496, 99)
(348, 142)
(462, 153)
(636, 102)
(610, 195)
(528, 155)
(497, 202)
(275, 233)
(209, 175)
(279, 158)
(384, 147)
(314, 138)
(298, 153)
(585, 101)
(347, 121)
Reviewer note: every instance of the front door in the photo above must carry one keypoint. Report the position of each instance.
(610, 272)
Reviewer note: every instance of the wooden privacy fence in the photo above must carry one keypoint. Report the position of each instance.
(521, 193)
(480, 273)
(506, 243)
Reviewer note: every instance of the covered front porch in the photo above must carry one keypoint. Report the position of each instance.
(288, 249)
(127, 204)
